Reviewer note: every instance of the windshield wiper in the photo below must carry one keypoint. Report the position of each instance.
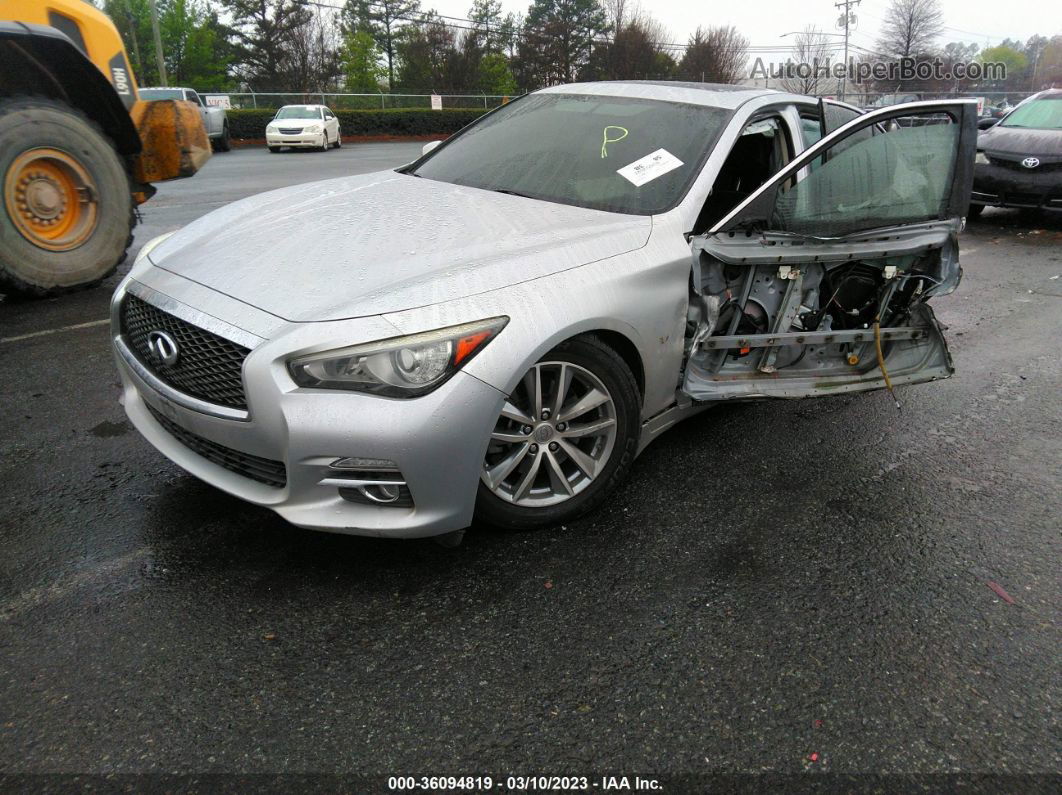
(512, 193)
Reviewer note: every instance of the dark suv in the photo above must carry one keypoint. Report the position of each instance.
(1019, 160)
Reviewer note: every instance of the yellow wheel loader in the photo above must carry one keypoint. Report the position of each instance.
(78, 150)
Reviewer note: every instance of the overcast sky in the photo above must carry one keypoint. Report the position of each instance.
(986, 22)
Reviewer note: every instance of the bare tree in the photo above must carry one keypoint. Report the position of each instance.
(911, 27)
(808, 70)
(718, 55)
(313, 53)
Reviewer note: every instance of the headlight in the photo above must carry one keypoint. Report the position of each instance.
(271, 128)
(313, 128)
(981, 159)
(399, 367)
(148, 247)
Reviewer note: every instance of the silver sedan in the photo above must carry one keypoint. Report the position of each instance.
(499, 328)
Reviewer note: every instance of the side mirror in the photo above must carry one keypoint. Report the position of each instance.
(429, 146)
(984, 124)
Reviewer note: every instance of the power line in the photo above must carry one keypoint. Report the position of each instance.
(426, 18)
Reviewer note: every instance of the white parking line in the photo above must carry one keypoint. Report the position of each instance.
(46, 332)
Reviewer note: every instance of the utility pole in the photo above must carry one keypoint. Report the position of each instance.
(158, 43)
(136, 44)
(846, 19)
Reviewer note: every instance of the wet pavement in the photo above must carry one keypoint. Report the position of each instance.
(877, 588)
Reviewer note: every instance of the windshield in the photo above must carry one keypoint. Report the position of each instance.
(161, 93)
(619, 154)
(298, 112)
(1042, 114)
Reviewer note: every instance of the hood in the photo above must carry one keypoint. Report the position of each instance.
(386, 242)
(288, 122)
(1023, 141)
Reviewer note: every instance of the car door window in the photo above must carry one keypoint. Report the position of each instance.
(836, 117)
(760, 151)
(194, 97)
(901, 175)
(810, 129)
(894, 168)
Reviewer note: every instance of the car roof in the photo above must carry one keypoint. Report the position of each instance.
(165, 88)
(719, 95)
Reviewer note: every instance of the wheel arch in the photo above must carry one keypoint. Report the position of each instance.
(625, 349)
(41, 61)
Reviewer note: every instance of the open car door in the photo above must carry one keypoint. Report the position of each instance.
(818, 282)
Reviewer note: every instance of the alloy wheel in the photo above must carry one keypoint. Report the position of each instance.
(554, 436)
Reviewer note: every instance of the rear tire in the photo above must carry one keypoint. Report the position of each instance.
(600, 367)
(224, 143)
(339, 141)
(66, 212)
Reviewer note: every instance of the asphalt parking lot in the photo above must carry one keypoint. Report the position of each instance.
(780, 587)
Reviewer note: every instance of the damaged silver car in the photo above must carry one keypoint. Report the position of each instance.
(499, 328)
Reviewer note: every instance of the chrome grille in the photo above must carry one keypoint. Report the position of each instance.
(264, 470)
(208, 367)
(291, 130)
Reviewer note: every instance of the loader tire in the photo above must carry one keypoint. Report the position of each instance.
(66, 211)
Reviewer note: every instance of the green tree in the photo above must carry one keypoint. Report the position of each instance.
(361, 63)
(263, 31)
(426, 54)
(716, 55)
(385, 21)
(486, 16)
(495, 76)
(559, 37)
(1013, 61)
(195, 44)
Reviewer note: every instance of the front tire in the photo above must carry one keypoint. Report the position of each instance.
(975, 211)
(324, 142)
(565, 439)
(66, 212)
(274, 149)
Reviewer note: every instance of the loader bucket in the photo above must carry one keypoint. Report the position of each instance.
(175, 141)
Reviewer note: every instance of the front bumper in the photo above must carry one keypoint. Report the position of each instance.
(304, 140)
(437, 443)
(1002, 186)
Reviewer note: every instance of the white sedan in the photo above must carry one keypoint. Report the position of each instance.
(303, 126)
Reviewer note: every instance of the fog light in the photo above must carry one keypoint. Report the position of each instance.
(383, 493)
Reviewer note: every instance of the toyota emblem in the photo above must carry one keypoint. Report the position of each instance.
(163, 347)
(1031, 162)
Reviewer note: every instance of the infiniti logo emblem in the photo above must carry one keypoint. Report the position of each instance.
(1031, 162)
(163, 347)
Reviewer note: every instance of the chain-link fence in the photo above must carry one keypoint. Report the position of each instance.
(379, 101)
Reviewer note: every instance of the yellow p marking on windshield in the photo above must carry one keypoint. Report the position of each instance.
(606, 140)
